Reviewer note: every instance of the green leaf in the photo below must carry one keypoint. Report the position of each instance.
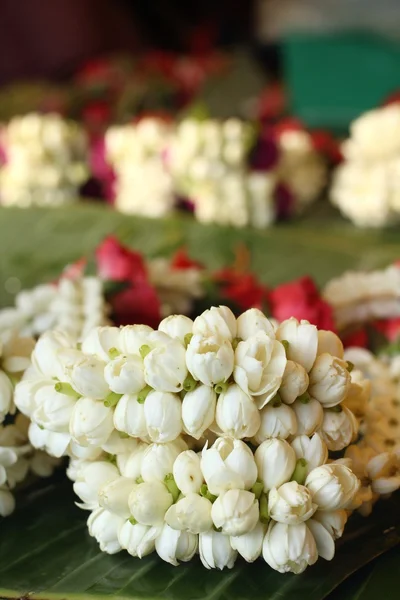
(46, 552)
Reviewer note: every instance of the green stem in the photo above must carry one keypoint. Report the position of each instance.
(300, 471)
(335, 409)
(206, 494)
(112, 399)
(235, 342)
(172, 487)
(66, 389)
(304, 398)
(187, 338)
(286, 345)
(264, 513)
(189, 384)
(350, 366)
(257, 489)
(144, 350)
(276, 400)
(113, 353)
(132, 521)
(220, 388)
(142, 395)
(139, 479)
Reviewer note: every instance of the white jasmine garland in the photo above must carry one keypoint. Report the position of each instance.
(338, 429)
(276, 422)
(251, 322)
(237, 414)
(276, 461)
(129, 416)
(198, 410)
(228, 464)
(139, 540)
(313, 450)
(216, 321)
(291, 503)
(289, 548)
(329, 380)
(302, 338)
(162, 412)
(192, 513)
(210, 360)
(249, 545)
(332, 486)
(235, 512)
(173, 545)
(294, 382)
(104, 527)
(309, 415)
(259, 366)
(216, 551)
(148, 502)
(187, 472)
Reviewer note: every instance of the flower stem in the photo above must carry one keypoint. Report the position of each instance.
(132, 521)
(350, 366)
(300, 471)
(235, 342)
(276, 400)
(264, 513)
(112, 399)
(189, 384)
(172, 487)
(304, 398)
(257, 489)
(335, 409)
(187, 338)
(113, 353)
(206, 494)
(66, 389)
(286, 345)
(221, 387)
(139, 479)
(144, 350)
(142, 395)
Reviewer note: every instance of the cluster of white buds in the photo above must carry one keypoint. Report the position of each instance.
(45, 161)
(359, 297)
(366, 186)
(177, 412)
(138, 155)
(74, 306)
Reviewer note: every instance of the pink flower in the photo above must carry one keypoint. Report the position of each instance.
(390, 328)
(181, 260)
(116, 262)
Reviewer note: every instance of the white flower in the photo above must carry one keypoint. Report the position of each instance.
(54, 409)
(332, 486)
(192, 513)
(100, 341)
(329, 342)
(173, 545)
(162, 411)
(130, 463)
(250, 322)
(259, 366)
(46, 356)
(289, 548)
(227, 465)
(237, 414)
(132, 338)
(158, 460)
(276, 421)
(313, 450)
(333, 521)
(129, 416)
(90, 479)
(249, 545)
(139, 540)
(235, 512)
(309, 414)
(358, 395)
(125, 374)
(55, 444)
(338, 429)
(303, 341)
(176, 326)
(276, 462)
(329, 380)
(114, 496)
(149, 501)
(198, 410)
(91, 422)
(384, 471)
(216, 322)
(86, 375)
(291, 503)
(294, 382)
(25, 391)
(104, 527)
(7, 502)
(187, 472)
(323, 539)
(210, 360)
(6, 395)
(216, 551)
(164, 365)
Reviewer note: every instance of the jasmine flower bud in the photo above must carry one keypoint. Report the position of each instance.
(148, 502)
(237, 414)
(173, 545)
(235, 512)
(198, 410)
(162, 411)
(289, 548)
(276, 461)
(329, 380)
(291, 503)
(294, 382)
(250, 322)
(210, 360)
(216, 321)
(249, 545)
(192, 513)
(187, 472)
(228, 464)
(303, 341)
(216, 551)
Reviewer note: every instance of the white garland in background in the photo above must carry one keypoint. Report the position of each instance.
(46, 161)
(366, 187)
(358, 297)
(147, 400)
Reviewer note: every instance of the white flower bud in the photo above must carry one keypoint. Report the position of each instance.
(237, 414)
(187, 472)
(289, 548)
(338, 429)
(100, 341)
(313, 450)
(216, 321)
(125, 375)
(210, 360)
(132, 338)
(276, 462)
(54, 409)
(235, 512)
(303, 341)
(165, 365)
(91, 422)
(333, 521)
(329, 342)
(129, 416)
(309, 416)
(176, 326)
(149, 501)
(332, 486)
(198, 410)
(259, 366)
(55, 444)
(216, 551)
(250, 322)
(89, 481)
(291, 503)
(323, 539)
(25, 392)
(276, 422)
(192, 513)
(6, 394)
(86, 375)
(114, 496)
(249, 545)
(294, 382)
(46, 356)
(227, 465)
(173, 545)
(130, 463)
(358, 395)
(139, 540)
(158, 460)
(162, 411)
(384, 471)
(104, 527)
(329, 380)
